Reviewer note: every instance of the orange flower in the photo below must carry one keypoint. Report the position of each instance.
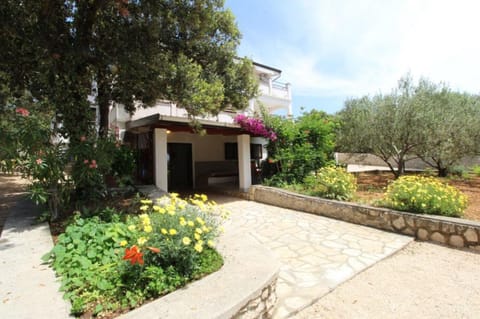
(134, 255)
(154, 249)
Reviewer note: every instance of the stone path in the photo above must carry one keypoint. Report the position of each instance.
(317, 253)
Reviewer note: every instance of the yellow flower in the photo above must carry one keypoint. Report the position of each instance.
(131, 227)
(164, 231)
(190, 223)
(197, 236)
(198, 248)
(198, 230)
(200, 221)
(147, 229)
(174, 195)
(183, 222)
(141, 240)
(156, 208)
(172, 231)
(144, 207)
(123, 243)
(146, 201)
(210, 243)
(205, 229)
(186, 241)
(204, 197)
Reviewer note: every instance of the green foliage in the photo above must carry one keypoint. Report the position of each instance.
(127, 52)
(302, 146)
(476, 170)
(331, 182)
(424, 195)
(98, 274)
(424, 120)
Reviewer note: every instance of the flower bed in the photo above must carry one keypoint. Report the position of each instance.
(111, 266)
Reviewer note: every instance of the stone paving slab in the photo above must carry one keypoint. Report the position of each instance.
(317, 253)
(28, 288)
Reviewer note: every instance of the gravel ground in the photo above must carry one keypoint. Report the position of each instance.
(422, 281)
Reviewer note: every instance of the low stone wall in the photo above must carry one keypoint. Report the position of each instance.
(450, 231)
(261, 306)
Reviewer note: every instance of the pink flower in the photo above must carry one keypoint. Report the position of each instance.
(93, 164)
(39, 161)
(22, 111)
(83, 138)
(85, 162)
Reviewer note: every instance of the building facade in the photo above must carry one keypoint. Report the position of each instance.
(175, 158)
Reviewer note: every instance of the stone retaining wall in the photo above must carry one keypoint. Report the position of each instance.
(450, 231)
(261, 306)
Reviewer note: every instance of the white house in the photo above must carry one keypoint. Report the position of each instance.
(173, 157)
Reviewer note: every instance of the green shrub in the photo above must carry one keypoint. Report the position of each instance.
(424, 195)
(458, 171)
(476, 170)
(113, 266)
(331, 182)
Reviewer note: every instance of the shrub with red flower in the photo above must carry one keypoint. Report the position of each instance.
(22, 111)
(255, 126)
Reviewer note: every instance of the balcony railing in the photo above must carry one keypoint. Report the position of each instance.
(276, 89)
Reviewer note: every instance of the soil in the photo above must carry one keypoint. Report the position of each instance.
(372, 185)
(421, 281)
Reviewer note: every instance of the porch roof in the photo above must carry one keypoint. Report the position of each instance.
(182, 124)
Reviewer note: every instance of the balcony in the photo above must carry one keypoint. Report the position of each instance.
(275, 96)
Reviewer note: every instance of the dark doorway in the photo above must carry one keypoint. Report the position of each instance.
(180, 176)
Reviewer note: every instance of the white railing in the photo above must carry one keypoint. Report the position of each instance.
(275, 89)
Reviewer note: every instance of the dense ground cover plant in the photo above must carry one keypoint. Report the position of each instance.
(115, 265)
(331, 182)
(424, 195)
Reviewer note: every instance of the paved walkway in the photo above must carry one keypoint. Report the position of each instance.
(317, 253)
(28, 289)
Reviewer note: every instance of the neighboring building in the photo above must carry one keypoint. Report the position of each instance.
(173, 157)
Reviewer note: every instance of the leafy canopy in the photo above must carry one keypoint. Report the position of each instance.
(75, 53)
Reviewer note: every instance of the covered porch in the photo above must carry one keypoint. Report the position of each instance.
(174, 157)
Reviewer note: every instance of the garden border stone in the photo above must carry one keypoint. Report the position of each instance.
(454, 232)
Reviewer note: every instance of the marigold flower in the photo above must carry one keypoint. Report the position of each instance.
(123, 243)
(172, 231)
(198, 248)
(131, 227)
(134, 255)
(141, 241)
(198, 230)
(186, 241)
(190, 223)
(147, 229)
(144, 207)
(146, 201)
(197, 236)
(164, 231)
(210, 243)
(200, 221)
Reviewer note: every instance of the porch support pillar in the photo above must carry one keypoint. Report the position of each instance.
(160, 158)
(244, 166)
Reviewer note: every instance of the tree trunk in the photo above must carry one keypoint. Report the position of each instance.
(103, 100)
(442, 171)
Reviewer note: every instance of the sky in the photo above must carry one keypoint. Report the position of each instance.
(331, 51)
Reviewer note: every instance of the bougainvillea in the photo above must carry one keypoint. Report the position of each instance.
(255, 126)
